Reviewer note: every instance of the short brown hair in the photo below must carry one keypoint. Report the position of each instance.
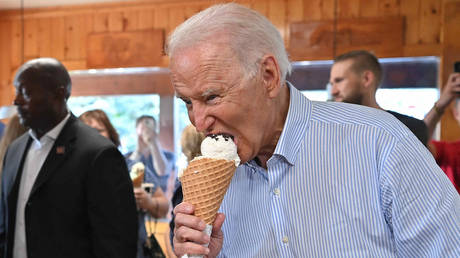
(101, 117)
(362, 61)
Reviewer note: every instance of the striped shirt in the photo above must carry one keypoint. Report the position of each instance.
(344, 181)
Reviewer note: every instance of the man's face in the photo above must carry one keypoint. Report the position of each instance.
(35, 103)
(345, 83)
(219, 98)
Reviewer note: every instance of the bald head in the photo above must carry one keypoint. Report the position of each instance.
(47, 72)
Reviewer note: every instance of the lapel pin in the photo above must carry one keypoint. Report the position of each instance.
(60, 150)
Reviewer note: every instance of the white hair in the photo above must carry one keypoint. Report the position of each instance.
(250, 35)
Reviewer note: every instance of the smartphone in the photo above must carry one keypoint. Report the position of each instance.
(457, 67)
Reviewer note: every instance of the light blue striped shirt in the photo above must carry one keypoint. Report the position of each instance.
(344, 181)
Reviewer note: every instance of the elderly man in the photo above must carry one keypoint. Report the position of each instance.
(355, 78)
(66, 190)
(318, 179)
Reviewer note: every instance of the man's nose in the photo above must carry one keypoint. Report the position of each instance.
(334, 90)
(201, 119)
(18, 100)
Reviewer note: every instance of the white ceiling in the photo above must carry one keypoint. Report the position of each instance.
(16, 4)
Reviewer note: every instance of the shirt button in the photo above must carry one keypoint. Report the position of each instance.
(276, 191)
(285, 239)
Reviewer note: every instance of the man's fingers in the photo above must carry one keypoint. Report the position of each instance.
(181, 248)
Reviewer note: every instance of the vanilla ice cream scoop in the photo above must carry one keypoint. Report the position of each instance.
(220, 146)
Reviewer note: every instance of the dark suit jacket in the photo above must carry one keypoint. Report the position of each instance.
(81, 204)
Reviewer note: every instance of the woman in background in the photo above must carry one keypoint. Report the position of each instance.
(156, 204)
(13, 130)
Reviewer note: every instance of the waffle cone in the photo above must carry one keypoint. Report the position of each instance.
(204, 184)
(137, 181)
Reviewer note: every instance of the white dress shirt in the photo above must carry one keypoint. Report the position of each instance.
(36, 156)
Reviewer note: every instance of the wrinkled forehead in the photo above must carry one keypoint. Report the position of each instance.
(208, 64)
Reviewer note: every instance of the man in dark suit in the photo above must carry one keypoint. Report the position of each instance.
(66, 190)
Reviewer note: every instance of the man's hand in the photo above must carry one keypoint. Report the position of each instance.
(143, 199)
(189, 237)
(149, 135)
(450, 91)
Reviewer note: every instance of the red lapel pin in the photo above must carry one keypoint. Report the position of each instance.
(60, 149)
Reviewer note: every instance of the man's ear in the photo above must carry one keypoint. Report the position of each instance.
(367, 78)
(271, 75)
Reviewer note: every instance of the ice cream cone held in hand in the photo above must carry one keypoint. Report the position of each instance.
(206, 179)
(137, 174)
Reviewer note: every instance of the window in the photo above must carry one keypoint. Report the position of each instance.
(409, 85)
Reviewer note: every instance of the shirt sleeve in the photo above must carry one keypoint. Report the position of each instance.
(421, 205)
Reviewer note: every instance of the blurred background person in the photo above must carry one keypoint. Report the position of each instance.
(99, 120)
(447, 154)
(13, 130)
(190, 142)
(65, 189)
(151, 201)
(149, 151)
(355, 78)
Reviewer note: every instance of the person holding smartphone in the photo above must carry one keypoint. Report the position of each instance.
(447, 154)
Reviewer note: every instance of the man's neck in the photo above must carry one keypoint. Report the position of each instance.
(267, 151)
(39, 132)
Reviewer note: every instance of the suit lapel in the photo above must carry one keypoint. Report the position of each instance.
(17, 163)
(62, 148)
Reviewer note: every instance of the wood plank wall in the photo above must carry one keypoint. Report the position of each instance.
(62, 32)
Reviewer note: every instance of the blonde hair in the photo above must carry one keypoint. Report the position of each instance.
(13, 130)
(190, 142)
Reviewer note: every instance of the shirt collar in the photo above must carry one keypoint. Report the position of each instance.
(295, 126)
(53, 133)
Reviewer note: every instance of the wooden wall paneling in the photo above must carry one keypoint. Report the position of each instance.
(294, 10)
(327, 9)
(311, 10)
(161, 18)
(116, 21)
(277, 15)
(158, 81)
(369, 8)
(146, 18)
(381, 35)
(58, 36)
(131, 20)
(411, 11)
(101, 21)
(430, 21)
(15, 37)
(77, 28)
(6, 75)
(261, 7)
(422, 50)
(390, 7)
(313, 40)
(175, 18)
(348, 8)
(31, 38)
(44, 37)
(125, 49)
(191, 10)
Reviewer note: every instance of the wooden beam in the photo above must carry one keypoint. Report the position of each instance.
(115, 82)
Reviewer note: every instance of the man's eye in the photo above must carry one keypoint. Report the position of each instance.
(211, 97)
